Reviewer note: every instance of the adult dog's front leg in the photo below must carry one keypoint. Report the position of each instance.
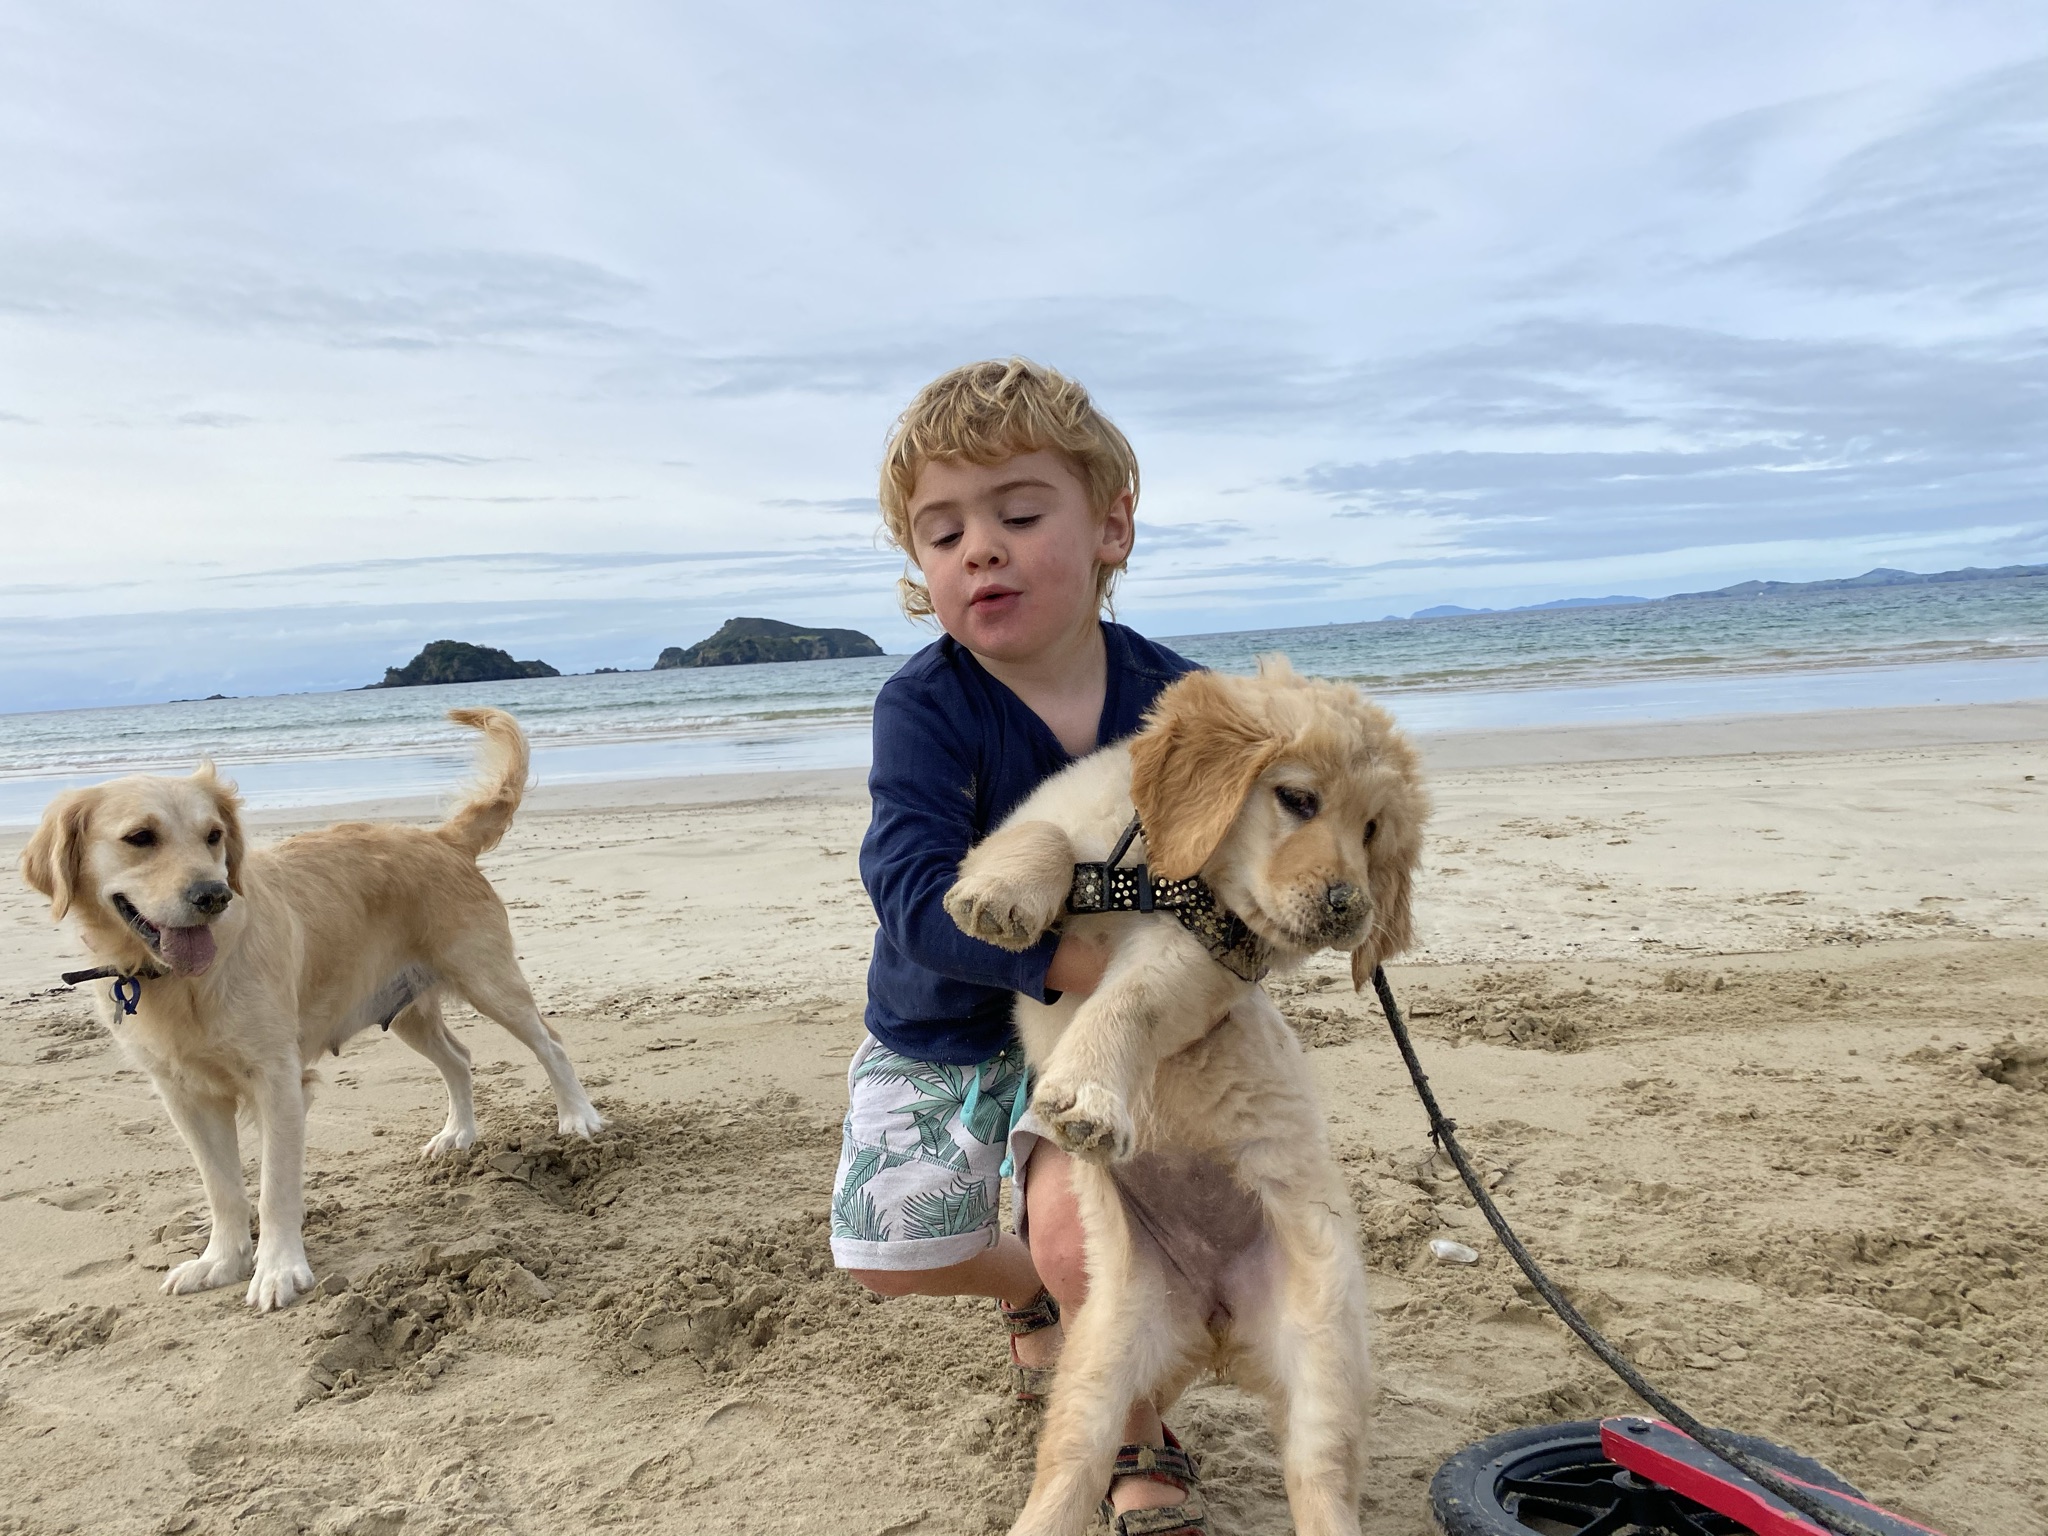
(1013, 885)
(208, 1126)
(282, 1273)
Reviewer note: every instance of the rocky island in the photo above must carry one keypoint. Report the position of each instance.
(740, 642)
(456, 661)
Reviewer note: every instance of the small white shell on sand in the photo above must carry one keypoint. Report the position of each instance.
(1452, 1253)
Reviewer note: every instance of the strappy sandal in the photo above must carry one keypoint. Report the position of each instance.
(1167, 1464)
(1031, 1382)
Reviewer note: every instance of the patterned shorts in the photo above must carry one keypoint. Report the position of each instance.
(924, 1154)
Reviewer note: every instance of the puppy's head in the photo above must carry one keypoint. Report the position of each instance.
(145, 865)
(1296, 799)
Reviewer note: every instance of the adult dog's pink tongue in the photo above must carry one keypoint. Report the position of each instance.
(190, 950)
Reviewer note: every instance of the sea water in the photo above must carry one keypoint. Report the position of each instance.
(1964, 642)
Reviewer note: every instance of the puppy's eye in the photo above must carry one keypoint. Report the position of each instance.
(141, 837)
(213, 838)
(1371, 827)
(1298, 802)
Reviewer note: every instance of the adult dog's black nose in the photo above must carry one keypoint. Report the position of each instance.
(1341, 897)
(210, 896)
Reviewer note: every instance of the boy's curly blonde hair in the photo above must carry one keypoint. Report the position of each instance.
(985, 413)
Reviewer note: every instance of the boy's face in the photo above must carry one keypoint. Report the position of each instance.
(1009, 551)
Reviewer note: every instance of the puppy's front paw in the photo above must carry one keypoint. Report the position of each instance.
(1006, 912)
(280, 1279)
(1087, 1120)
(208, 1272)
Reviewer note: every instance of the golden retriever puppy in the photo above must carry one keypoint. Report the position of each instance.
(229, 970)
(1218, 1229)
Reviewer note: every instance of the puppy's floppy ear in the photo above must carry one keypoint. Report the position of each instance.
(1191, 768)
(53, 863)
(228, 803)
(1391, 859)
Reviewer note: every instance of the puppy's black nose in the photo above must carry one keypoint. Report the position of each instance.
(1341, 897)
(210, 896)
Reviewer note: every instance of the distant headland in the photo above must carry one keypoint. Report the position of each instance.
(457, 661)
(742, 642)
(1882, 576)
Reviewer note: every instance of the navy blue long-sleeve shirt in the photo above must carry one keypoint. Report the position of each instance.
(955, 752)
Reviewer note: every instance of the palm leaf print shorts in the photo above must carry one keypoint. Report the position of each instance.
(925, 1150)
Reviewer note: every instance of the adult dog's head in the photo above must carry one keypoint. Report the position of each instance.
(145, 864)
(1295, 799)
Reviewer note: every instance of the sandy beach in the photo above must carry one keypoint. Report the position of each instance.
(1750, 1018)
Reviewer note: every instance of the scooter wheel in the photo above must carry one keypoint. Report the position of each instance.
(1556, 1480)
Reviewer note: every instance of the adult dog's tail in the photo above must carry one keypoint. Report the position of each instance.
(476, 825)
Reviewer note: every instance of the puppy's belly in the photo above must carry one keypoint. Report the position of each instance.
(1207, 1233)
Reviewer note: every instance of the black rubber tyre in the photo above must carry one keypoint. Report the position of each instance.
(1555, 1480)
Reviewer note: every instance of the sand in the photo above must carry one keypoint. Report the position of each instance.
(1747, 1018)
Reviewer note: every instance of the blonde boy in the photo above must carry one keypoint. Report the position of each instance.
(1012, 499)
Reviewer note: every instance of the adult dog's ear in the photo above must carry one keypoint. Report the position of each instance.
(53, 863)
(1391, 859)
(227, 803)
(1191, 768)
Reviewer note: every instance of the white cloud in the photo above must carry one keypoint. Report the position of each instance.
(1447, 303)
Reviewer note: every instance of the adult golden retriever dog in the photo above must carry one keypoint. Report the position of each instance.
(1219, 1232)
(238, 967)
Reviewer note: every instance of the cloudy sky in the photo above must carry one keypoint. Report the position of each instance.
(328, 330)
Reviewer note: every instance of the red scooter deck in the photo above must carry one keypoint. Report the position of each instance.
(1659, 1453)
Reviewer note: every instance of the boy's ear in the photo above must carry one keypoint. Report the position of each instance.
(228, 805)
(53, 863)
(1191, 768)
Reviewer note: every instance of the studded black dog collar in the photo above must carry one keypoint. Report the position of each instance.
(1111, 886)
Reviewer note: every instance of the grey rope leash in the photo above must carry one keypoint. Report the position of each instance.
(1442, 1132)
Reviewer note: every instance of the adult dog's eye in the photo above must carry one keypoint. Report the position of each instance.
(1371, 827)
(1299, 802)
(141, 837)
(213, 838)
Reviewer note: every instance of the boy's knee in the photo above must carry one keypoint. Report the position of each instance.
(892, 1282)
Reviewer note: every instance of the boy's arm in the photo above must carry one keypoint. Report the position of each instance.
(922, 785)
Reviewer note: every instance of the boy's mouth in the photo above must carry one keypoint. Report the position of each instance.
(992, 597)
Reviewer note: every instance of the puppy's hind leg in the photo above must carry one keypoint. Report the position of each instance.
(1315, 1355)
(421, 1026)
(208, 1126)
(484, 969)
(1119, 1347)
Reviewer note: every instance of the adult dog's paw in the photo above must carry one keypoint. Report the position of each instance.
(580, 1120)
(1086, 1119)
(207, 1272)
(450, 1138)
(280, 1279)
(1004, 911)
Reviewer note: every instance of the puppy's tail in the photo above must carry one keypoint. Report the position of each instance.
(476, 825)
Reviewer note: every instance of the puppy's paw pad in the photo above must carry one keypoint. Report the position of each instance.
(206, 1273)
(1002, 913)
(1087, 1120)
(278, 1283)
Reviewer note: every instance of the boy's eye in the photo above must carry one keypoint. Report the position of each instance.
(1023, 519)
(945, 541)
(1298, 802)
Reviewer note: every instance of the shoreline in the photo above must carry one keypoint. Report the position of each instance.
(1810, 733)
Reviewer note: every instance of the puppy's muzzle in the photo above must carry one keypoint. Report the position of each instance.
(1344, 913)
(209, 897)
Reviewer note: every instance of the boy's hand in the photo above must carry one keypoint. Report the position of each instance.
(1077, 966)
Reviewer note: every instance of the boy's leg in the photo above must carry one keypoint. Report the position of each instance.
(914, 1203)
(1059, 1256)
